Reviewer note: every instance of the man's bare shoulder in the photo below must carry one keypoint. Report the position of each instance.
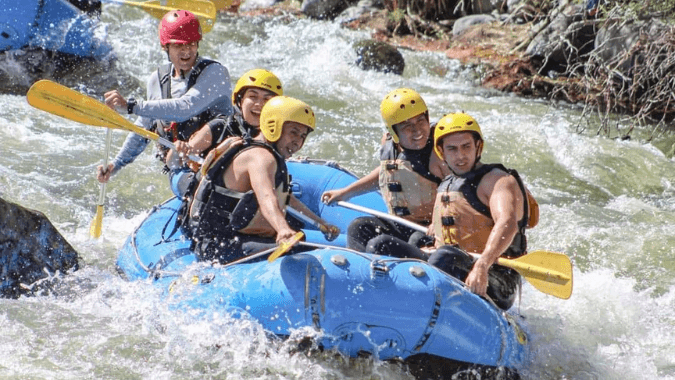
(255, 155)
(498, 180)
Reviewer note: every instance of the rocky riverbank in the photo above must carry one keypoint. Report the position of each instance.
(608, 59)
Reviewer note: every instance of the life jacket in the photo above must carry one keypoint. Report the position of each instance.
(213, 209)
(223, 127)
(462, 220)
(174, 131)
(407, 186)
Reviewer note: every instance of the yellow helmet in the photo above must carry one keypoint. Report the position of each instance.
(399, 106)
(453, 123)
(259, 78)
(281, 109)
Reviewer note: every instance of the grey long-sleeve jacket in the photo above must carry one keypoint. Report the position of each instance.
(212, 89)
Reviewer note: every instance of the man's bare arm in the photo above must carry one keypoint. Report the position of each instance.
(261, 167)
(365, 184)
(505, 199)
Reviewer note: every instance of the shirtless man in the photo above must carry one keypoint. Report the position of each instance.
(239, 206)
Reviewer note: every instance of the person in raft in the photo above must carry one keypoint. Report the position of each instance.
(480, 208)
(407, 176)
(250, 94)
(238, 207)
(182, 95)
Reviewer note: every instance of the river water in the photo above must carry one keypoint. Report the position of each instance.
(605, 202)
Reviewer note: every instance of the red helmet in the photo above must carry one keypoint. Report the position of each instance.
(179, 27)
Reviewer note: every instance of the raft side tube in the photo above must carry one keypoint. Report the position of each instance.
(17, 23)
(310, 181)
(62, 27)
(156, 244)
(384, 307)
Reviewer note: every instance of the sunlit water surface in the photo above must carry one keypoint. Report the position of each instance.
(605, 202)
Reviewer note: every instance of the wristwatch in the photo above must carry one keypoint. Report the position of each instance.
(131, 103)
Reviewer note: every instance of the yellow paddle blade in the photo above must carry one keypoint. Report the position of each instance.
(549, 272)
(96, 223)
(204, 10)
(222, 4)
(285, 246)
(62, 101)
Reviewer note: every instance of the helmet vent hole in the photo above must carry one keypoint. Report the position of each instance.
(402, 106)
(252, 79)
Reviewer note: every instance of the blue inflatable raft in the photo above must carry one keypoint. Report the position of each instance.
(52, 25)
(356, 303)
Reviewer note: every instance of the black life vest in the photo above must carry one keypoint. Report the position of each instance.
(223, 127)
(182, 130)
(456, 224)
(213, 209)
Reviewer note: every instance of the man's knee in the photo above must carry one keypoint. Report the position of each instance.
(380, 245)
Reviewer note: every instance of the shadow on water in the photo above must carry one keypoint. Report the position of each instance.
(19, 69)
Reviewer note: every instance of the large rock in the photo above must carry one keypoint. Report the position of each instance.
(355, 11)
(379, 56)
(31, 249)
(614, 40)
(324, 9)
(568, 37)
(463, 23)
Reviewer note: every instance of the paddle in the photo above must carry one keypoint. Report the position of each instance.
(286, 246)
(95, 228)
(222, 4)
(549, 272)
(329, 233)
(204, 10)
(70, 104)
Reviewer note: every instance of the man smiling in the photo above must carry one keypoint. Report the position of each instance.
(480, 208)
(408, 175)
(182, 95)
(250, 94)
(239, 205)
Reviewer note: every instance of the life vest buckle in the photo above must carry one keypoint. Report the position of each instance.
(391, 166)
(401, 211)
(448, 221)
(394, 187)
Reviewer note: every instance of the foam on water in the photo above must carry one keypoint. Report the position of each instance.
(607, 203)
(607, 330)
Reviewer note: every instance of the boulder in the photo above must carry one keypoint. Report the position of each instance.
(463, 23)
(568, 37)
(355, 11)
(31, 249)
(324, 9)
(614, 40)
(379, 56)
